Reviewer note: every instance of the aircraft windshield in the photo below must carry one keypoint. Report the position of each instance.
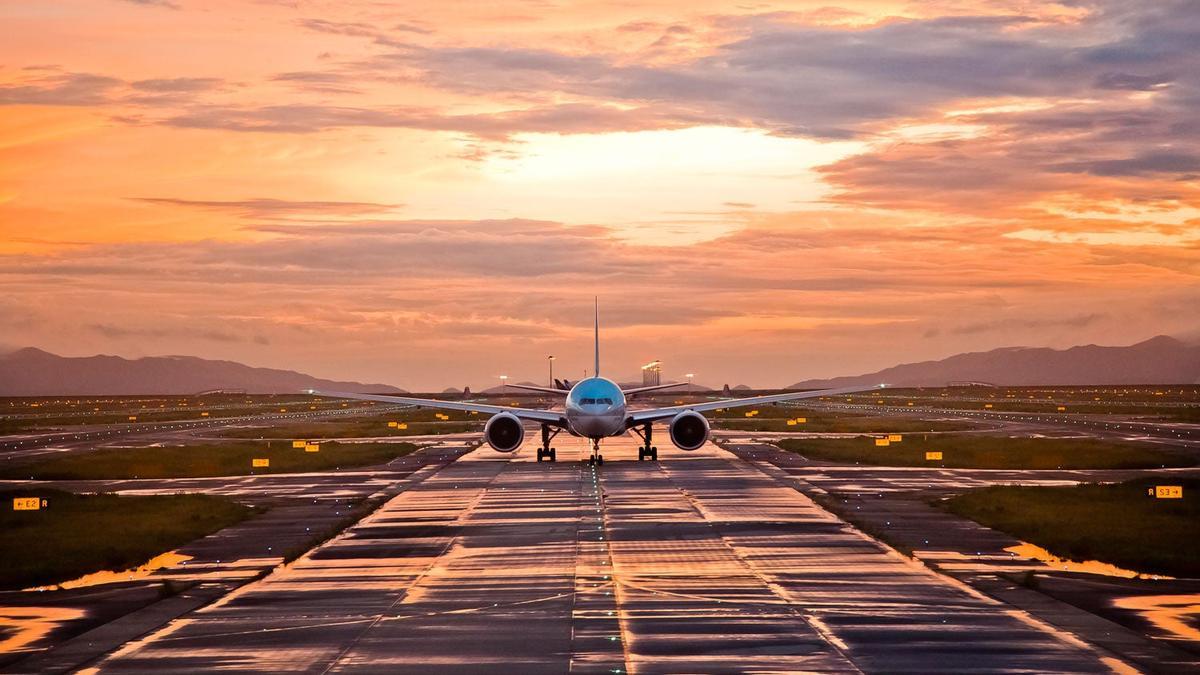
(594, 401)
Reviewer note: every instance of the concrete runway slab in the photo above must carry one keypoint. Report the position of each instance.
(701, 562)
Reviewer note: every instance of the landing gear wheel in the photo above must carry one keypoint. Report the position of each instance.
(646, 451)
(600, 460)
(545, 451)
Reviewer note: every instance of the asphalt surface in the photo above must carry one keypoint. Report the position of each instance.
(718, 560)
(702, 562)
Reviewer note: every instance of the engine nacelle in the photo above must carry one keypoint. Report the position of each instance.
(689, 430)
(504, 432)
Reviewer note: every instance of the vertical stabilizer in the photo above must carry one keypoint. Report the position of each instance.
(596, 372)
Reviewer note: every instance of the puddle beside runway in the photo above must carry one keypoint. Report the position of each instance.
(168, 559)
(1035, 552)
(1177, 615)
(25, 626)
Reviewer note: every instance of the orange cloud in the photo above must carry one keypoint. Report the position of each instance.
(403, 193)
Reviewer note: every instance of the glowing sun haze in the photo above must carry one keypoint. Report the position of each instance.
(429, 194)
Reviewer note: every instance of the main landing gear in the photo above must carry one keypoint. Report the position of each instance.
(596, 459)
(647, 451)
(547, 452)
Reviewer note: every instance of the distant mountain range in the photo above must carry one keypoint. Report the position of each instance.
(1160, 360)
(33, 372)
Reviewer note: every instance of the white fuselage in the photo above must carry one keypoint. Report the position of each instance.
(595, 408)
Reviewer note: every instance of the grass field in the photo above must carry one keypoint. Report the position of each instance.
(19, 414)
(774, 418)
(352, 429)
(825, 423)
(80, 534)
(194, 461)
(988, 452)
(1116, 524)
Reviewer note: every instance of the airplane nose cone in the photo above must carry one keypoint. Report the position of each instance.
(594, 425)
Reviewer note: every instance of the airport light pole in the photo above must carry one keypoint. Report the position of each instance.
(689, 377)
(550, 359)
(503, 383)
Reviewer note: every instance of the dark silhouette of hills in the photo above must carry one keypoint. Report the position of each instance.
(1159, 360)
(33, 372)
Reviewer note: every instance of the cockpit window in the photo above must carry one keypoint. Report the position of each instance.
(595, 401)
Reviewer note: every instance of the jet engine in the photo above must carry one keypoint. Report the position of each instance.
(689, 430)
(504, 432)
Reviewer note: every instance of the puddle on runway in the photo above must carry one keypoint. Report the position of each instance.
(1089, 566)
(142, 571)
(1178, 615)
(32, 624)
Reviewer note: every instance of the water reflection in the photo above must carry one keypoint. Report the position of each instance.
(142, 571)
(1090, 566)
(31, 624)
(1175, 614)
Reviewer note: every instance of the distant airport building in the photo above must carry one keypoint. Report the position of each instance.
(969, 383)
(652, 374)
(215, 392)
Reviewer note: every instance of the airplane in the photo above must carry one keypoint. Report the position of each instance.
(596, 408)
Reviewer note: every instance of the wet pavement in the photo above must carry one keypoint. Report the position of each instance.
(1107, 611)
(702, 562)
(302, 509)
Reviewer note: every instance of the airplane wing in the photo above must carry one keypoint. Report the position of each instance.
(653, 387)
(547, 416)
(547, 390)
(653, 414)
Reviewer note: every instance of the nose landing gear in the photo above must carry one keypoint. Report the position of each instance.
(545, 451)
(596, 459)
(647, 451)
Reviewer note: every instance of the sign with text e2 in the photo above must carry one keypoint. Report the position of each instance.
(26, 503)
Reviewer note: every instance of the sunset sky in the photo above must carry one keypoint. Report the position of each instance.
(429, 194)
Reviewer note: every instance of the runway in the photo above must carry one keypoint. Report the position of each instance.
(702, 562)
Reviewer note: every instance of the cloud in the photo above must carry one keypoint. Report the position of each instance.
(122, 333)
(154, 3)
(564, 118)
(355, 29)
(1164, 162)
(67, 89)
(1078, 321)
(276, 208)
(89, 89)
(795, 79)
(791, 285)
(174, 85)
